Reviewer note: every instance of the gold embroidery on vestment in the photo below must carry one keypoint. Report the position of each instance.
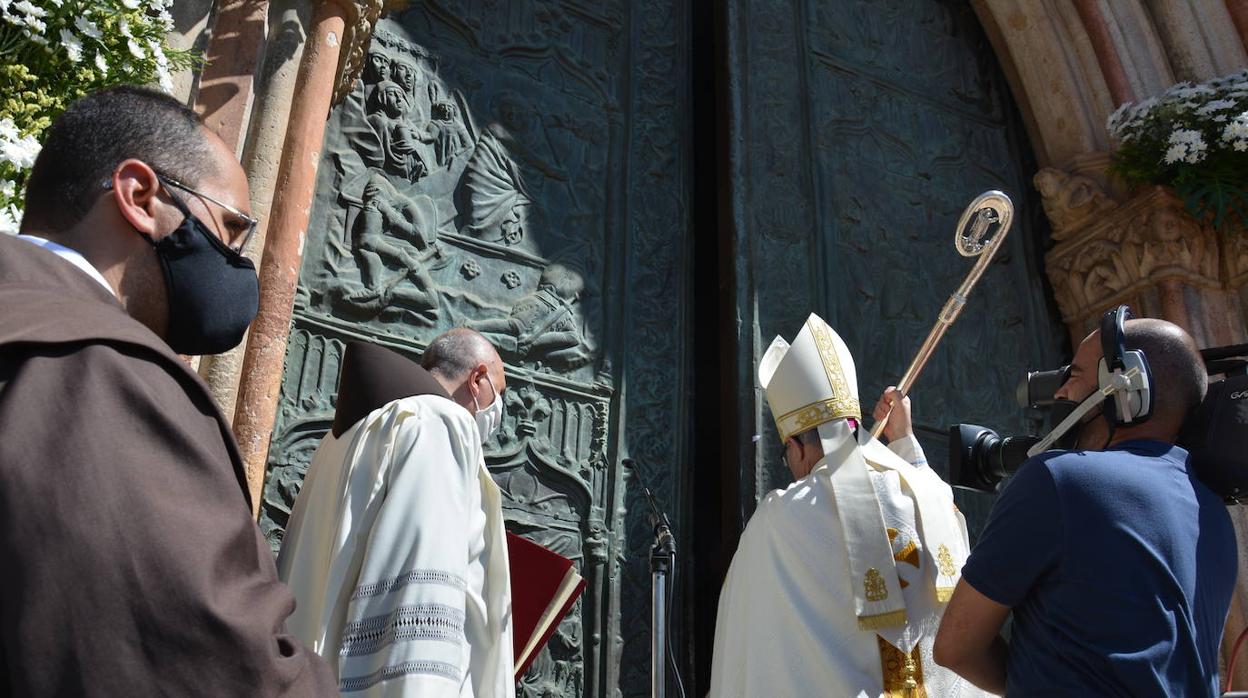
(874, 584)
(903, 673)
(945, 561)
(883, 620)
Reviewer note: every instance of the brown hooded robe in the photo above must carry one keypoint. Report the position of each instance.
(129, 561)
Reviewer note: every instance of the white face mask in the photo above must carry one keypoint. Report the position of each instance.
(491, 416)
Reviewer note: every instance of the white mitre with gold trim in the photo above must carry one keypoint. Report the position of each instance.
(811, 381)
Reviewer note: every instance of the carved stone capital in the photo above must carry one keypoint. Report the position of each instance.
(1071, 200)
(361, 19)
(1109, 252)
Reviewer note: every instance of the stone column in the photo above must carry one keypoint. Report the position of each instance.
(1239, 17)
(1052, 66)
(268, 115)
(332, 59)
(285, 234)
(1101, 38)
(233, 54)
(224, 99)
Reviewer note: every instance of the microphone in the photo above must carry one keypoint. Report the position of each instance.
(658, 518)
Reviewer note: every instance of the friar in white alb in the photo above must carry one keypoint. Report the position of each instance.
(395, 550)
(839, 581)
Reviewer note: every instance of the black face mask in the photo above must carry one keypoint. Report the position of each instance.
(213, 291)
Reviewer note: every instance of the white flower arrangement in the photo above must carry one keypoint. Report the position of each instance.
(1193, 138)
(54, 51)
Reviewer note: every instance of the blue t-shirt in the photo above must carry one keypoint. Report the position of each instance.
(1119, 567)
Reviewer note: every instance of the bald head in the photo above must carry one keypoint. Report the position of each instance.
(467, 365)
(457, 351)
(1179, 377)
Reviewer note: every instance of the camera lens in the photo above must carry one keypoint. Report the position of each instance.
(979, 458)
(1037, 388)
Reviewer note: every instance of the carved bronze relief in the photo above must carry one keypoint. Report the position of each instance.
(479, 174)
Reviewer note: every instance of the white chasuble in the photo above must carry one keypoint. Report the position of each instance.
(787, 624)
(397, 557)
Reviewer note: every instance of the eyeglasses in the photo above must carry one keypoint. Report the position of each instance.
(242, 218)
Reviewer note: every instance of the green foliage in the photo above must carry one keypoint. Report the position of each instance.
(54, 51)
(1195, 139)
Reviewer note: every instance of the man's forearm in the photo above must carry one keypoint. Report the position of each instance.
(986, 670)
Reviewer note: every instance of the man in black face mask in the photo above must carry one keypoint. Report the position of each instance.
(131, 564)
(1117, 563)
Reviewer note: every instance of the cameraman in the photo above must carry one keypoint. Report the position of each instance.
(1117, 563)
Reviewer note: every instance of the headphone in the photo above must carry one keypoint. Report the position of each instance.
(1133, 403)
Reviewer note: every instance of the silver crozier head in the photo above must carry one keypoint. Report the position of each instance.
(984, 223)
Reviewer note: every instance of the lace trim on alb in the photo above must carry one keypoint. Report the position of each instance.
(385, 586)
(359, 683)
(432, 622)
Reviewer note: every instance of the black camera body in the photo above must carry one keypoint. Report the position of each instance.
(1216, 434)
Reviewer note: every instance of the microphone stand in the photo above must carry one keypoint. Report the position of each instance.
(662, 562)
(662, 559)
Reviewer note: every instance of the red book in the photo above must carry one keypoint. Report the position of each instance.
(544, 585)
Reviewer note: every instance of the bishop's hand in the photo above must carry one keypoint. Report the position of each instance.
(898, 426)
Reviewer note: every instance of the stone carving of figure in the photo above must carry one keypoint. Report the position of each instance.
(376, 69)
(543, 326)
(1070, 200)
(496, 200)
(417, 87)
(387, 214)
(1172, 240)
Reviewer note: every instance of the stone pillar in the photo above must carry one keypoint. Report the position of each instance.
(283, 245)
(1101, 38)
(224, 101)
(191, 21)
(268, 114)
(1239, 17)
(1200, 38)
(231, 59)
(332, 59)
(1052, 66)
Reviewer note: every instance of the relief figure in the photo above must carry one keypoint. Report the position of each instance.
(386, 218)
(399, 133)
(543, 326)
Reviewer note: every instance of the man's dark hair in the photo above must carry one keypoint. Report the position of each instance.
(95, 134)
(809, 438)
(1179, 376)
(455, 352)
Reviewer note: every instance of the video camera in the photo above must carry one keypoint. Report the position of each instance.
(1216, 434)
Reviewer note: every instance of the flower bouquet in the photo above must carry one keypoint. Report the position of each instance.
(54, 51)
(1193, 138)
